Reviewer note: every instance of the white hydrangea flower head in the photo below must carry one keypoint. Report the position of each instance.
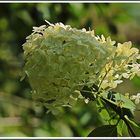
(61, 60)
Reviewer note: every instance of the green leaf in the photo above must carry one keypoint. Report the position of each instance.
(126, 102)
(121, 104)
(134, 126)
(103, 110)
(119, 100)
(120, 127)
(104, 131)
(118, 109)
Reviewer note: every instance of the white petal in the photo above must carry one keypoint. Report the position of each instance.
(137, 101)
(86, 101)
(138, 95)
(138, 57)
(133, 97)
(125, 75)
(118, 81)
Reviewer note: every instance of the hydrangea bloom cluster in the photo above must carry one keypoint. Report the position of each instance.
(61, 60)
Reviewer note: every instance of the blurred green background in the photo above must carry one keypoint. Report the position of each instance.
(19, 116)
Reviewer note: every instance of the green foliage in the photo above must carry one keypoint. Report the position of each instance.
(134, 126)
(104, 131)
